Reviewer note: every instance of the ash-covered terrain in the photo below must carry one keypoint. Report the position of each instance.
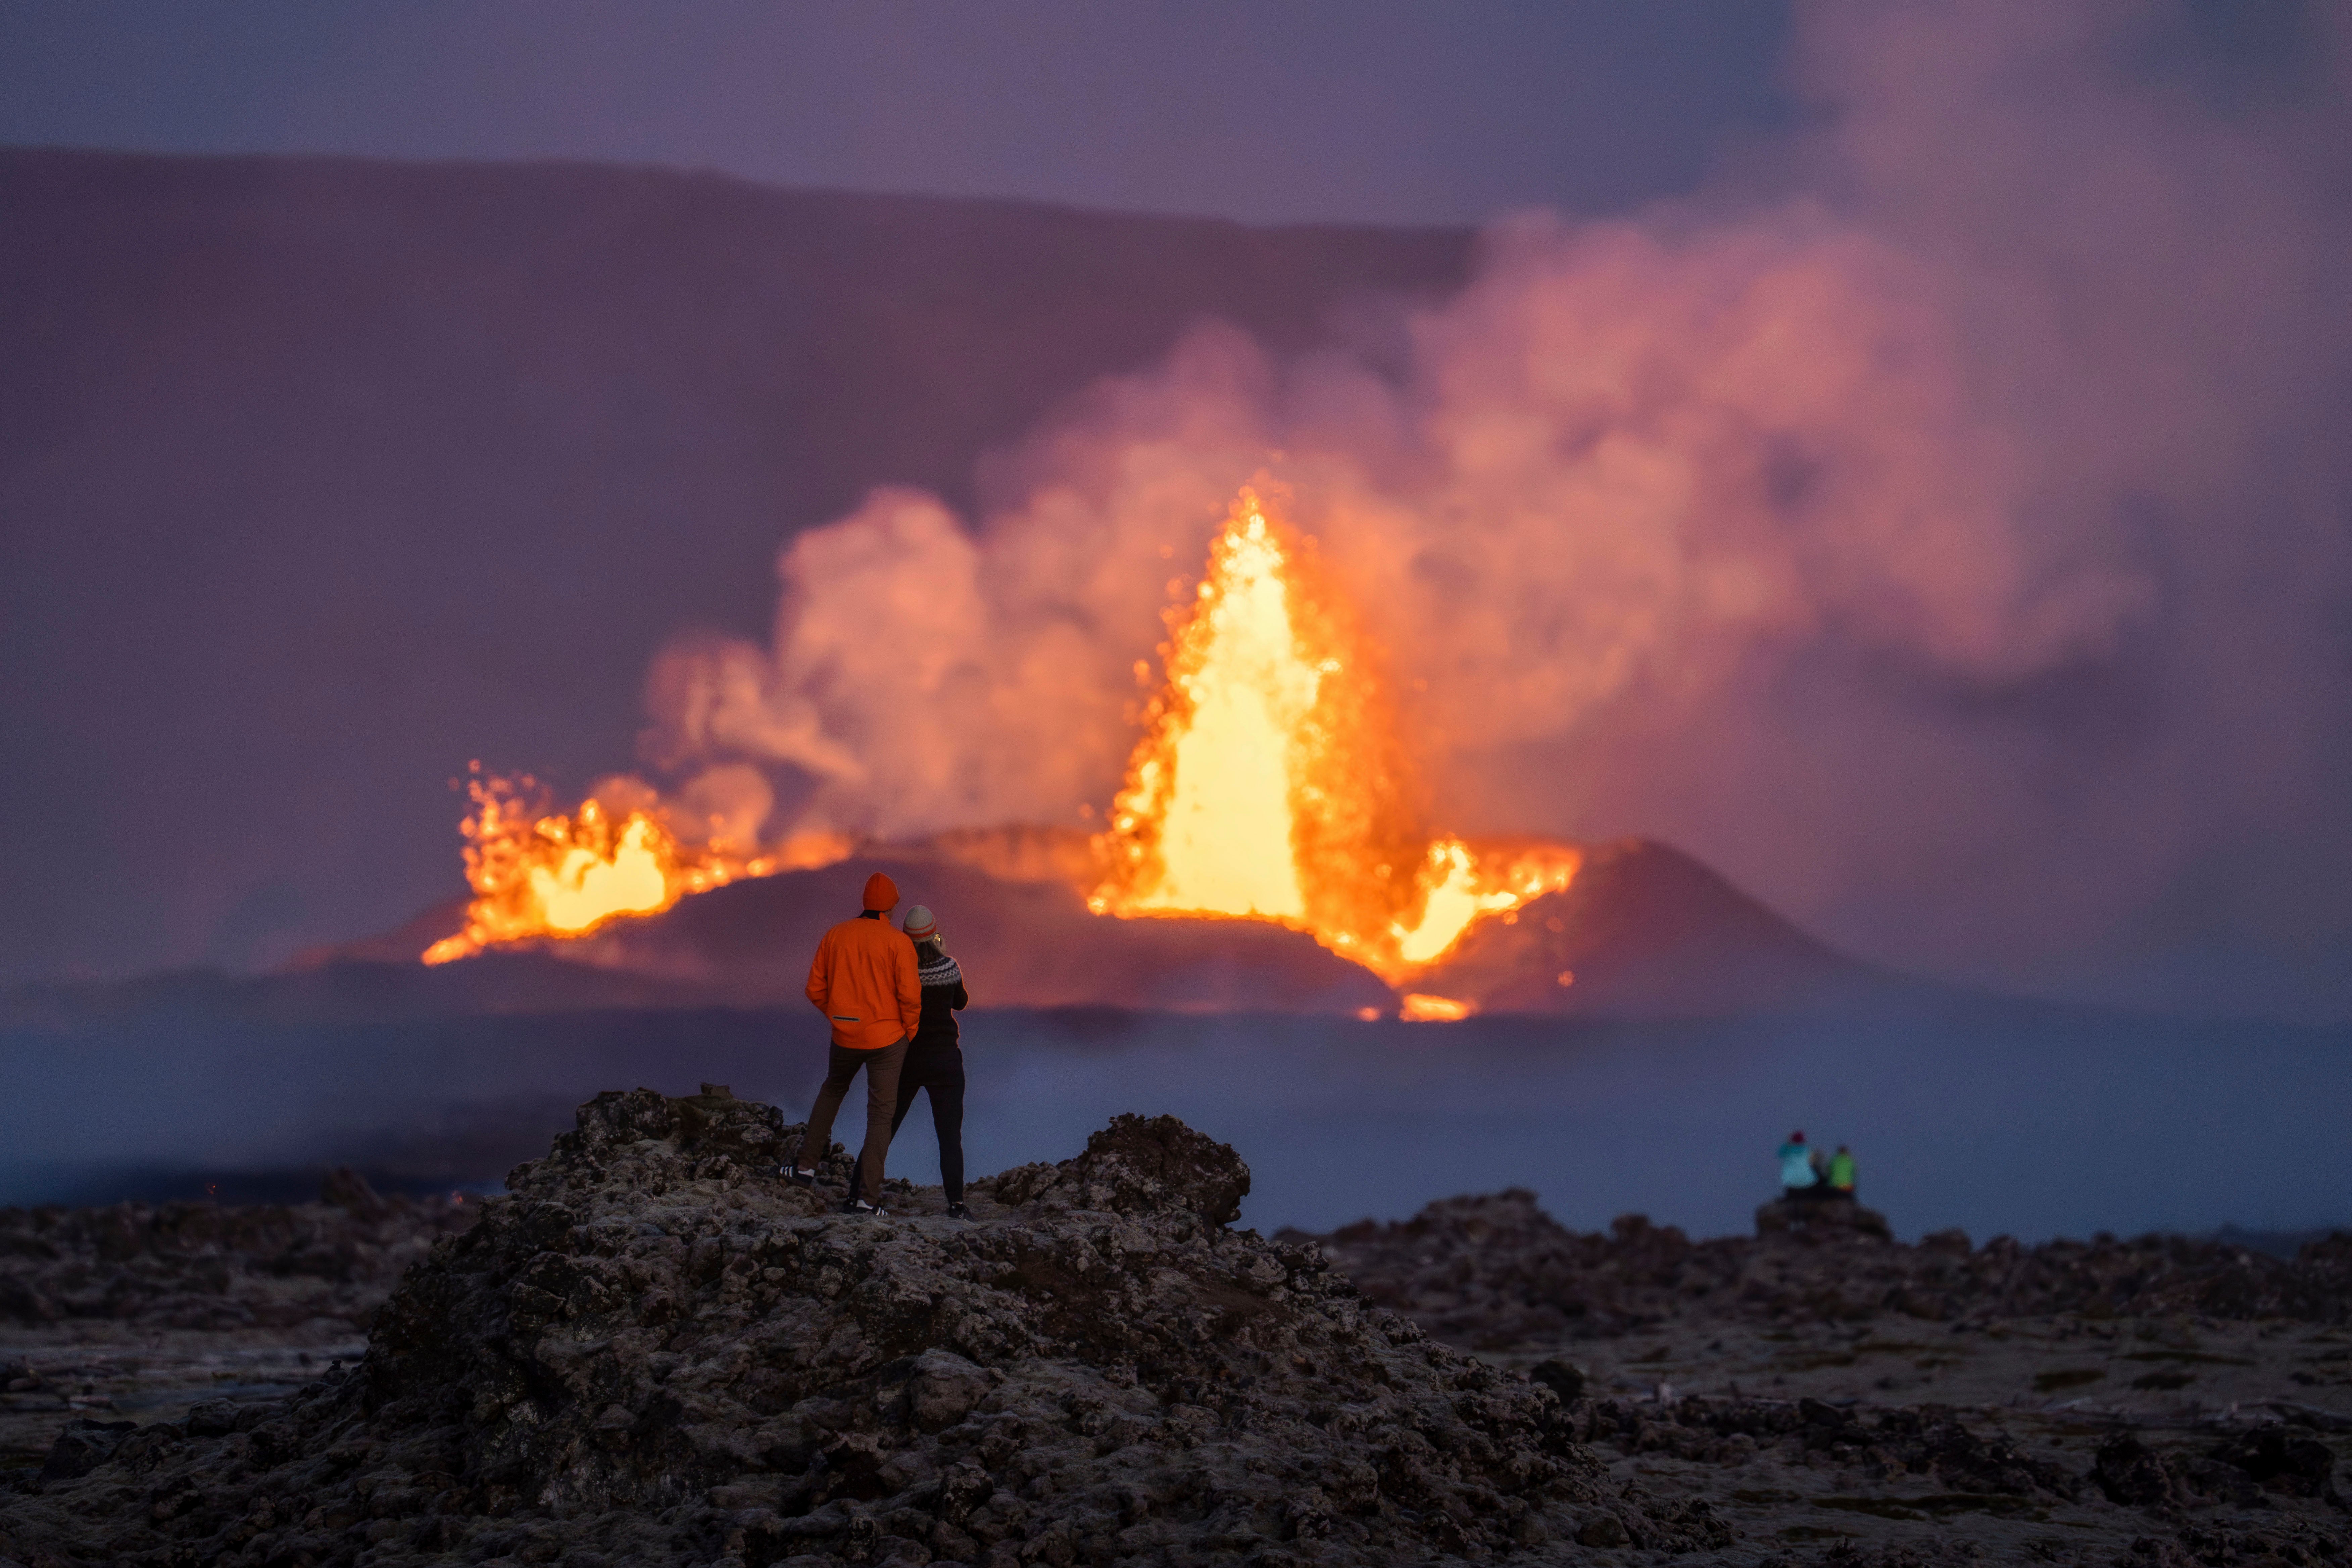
(653, 1351)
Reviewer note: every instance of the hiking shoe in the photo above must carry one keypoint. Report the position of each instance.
(958, 1211)
(799, 1177)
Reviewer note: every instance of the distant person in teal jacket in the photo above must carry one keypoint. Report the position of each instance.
(1797, 1176)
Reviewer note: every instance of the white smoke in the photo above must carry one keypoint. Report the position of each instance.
(1904, 535)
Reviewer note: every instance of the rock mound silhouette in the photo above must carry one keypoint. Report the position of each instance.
(1139, 1165)
(1646, 931)
(1031, 937)
(655, 1351)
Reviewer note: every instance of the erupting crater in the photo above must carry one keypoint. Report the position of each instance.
(1271, 783)
(539, 874)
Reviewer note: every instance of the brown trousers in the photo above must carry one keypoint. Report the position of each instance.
(881, 1100)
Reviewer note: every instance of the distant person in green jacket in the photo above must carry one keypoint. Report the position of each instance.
(1841, 1171)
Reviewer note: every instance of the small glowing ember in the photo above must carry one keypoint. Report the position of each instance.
(540, 873)
(1420, 1009)
(1271, 781)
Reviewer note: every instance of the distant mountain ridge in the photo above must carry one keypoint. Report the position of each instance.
(1644, 931)
(321, 476)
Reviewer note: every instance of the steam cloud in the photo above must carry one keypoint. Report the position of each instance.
(1941, 527)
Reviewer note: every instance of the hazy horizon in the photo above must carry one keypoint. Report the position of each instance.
(1974, 1119)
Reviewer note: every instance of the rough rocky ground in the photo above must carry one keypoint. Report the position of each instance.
(140, 1310)
(1839, 1396)
(655, 1351)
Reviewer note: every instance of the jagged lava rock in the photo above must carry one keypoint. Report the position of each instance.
(656, 1351)
(1137, 1166)
(1821, 1217)
(1495, 1270)
(324, 1266)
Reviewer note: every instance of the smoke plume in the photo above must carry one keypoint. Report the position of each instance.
(1939, 524)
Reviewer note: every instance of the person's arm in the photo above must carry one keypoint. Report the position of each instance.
(962, 998)
(821, 974)
(910, 986)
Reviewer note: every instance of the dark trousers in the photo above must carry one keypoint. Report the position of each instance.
(941, 1072)
(881, 1094)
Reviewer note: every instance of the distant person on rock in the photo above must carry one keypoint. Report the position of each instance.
(864, 980)
(1797, 1177)
(935, 1058)
(1841, 1171)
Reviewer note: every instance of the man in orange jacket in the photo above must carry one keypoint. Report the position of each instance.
(864, 980)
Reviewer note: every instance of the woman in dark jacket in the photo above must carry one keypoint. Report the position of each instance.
(934, 1057)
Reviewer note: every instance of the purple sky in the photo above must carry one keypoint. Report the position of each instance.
(317, 479)
(1365, 110)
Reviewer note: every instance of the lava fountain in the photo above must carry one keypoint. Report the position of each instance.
(1271, 781)
(537, 873)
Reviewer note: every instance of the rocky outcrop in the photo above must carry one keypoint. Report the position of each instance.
(1821, 1217)
(2237, 1470)
(1496, 1270)
(1136, 1166)
(328, 1265)
(1909, 1406)
(1931, 1442)
(655, 1351)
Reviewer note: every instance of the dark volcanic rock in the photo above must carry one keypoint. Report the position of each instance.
(1928, 1441)
(84, 1446)
(1648, 932)
(1829, 1319)
(1496, 1270)
(2136, 1476)
(2282, 1461)
(1137, 1165)
(1821, 1217)
(654, 1351)
(211, 1267)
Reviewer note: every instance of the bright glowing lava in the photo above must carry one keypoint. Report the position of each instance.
(538, 873)
(1270, 781)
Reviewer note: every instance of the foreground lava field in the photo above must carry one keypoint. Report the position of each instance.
(654, 1351)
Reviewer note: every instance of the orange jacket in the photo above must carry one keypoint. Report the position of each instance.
(864, 980)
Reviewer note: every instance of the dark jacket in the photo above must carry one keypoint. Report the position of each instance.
(944, 997)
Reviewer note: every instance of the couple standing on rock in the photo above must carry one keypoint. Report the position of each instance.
(891, 998)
